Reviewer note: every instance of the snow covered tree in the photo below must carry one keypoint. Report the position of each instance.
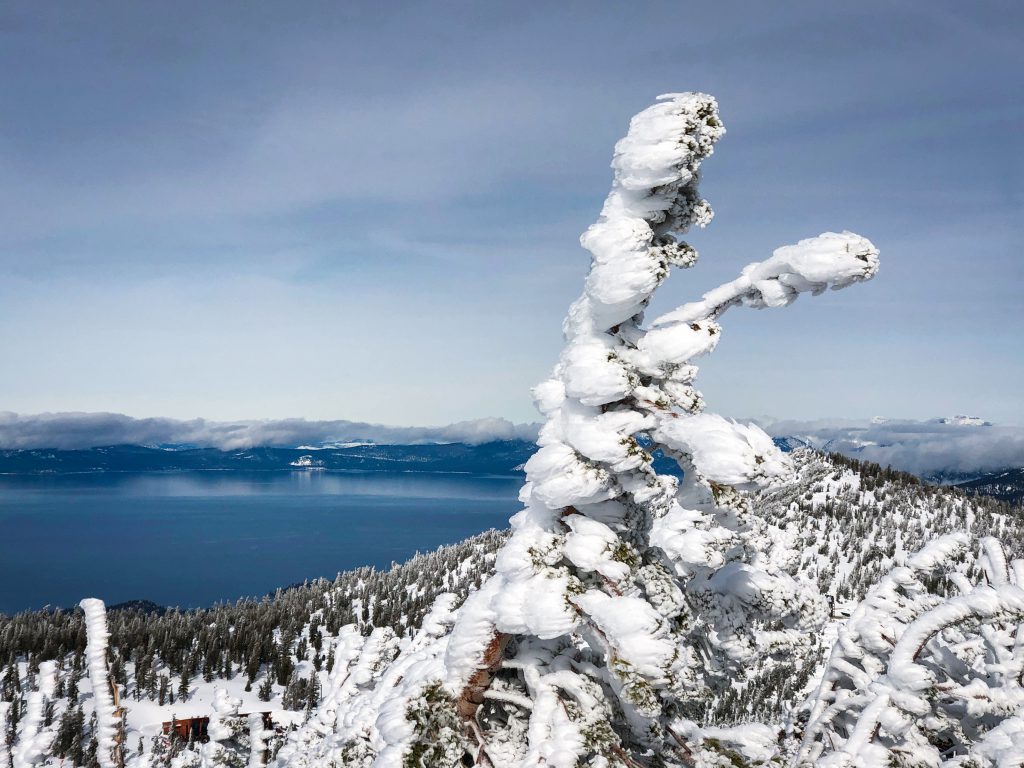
(5, 752)
(229, 735)
(927, 671)
(109, 753)
(626, 598)
(32, 745)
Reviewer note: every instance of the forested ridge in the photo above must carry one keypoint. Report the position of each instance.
(847, 518)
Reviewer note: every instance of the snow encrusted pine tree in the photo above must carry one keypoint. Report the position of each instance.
(624, 596)
(625, 600)
(34, 737)
(110, 748)
(927, 671)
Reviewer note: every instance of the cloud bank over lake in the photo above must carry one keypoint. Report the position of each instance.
(70, 431)
(957, 445)
(927, 448)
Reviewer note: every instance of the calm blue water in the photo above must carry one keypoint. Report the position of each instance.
(194, 538)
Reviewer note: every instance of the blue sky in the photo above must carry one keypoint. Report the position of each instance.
(371, 211)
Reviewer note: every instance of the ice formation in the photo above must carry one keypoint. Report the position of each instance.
(623, 593)
(258, 736)
(34, 740)
(103, 700)
(621, 588)
(926, 678)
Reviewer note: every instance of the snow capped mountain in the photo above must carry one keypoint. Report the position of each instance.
(81, 431)
(790, 443)
(965, 421)
(949, 450)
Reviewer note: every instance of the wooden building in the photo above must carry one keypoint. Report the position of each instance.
(195, 728)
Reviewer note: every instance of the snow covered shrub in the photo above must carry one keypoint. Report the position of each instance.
(228, 732)
(437, 727)
(927, 671)
(383, 703)
(626, 599)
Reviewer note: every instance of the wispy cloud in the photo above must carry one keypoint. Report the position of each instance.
(412, 179)
(70, 431)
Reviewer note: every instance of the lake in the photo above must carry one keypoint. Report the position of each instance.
(195, 538)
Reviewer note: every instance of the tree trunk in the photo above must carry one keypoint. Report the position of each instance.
(472, 695)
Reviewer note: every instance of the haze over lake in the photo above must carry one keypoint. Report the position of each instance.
(194, 538)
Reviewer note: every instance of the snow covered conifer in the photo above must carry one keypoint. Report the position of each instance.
(109, 749)
(229, 734)
(33, 739)
(927, 671)
(625, 597)
(625, 600)
(5, 753)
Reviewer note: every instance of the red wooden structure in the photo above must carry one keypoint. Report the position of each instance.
(195, 728)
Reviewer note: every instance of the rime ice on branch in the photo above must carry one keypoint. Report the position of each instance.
(918, 677)
(623, 590)
(34, 738)
(96, 660)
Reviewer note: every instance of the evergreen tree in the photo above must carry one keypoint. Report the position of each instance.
(622, 589)
(920, 676)
(70, 734)
(10, 686)
(183, 686)
(266, 689)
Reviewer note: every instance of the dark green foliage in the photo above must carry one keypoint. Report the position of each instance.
(177, 645)
(439, 739)
(71, 735)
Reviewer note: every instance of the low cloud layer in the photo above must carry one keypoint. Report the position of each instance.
(69, 431)
(942, 447)
(939, 448)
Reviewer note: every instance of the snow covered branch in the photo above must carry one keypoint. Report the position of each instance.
(918, 674)
(829, 260)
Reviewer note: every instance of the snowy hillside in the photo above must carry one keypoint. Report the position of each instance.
(313, 656)
(852, 520)
(1007, 485)
(848, 523)
(273, 655)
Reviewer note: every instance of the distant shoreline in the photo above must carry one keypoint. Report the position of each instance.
(319, 470)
